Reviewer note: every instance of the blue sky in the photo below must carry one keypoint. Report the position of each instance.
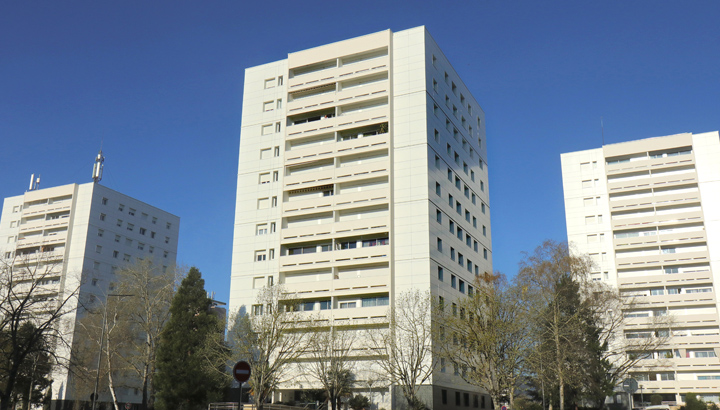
(159, 83)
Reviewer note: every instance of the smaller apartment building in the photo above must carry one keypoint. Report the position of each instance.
(82, 234)
(648, 213)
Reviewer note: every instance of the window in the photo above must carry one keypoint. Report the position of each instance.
(461, 259)
(325, 305)
(376, 301)
(468, 240)
(144, 216)
(131, 212)
(94, 282)
(104, 201)
(482, 186)
(96, 265)
(151, 249)
(126, 257)
(442, 366)
(459, 233)
(121, 207)
(449, 172)
(461, 284)
(667, 376)
(100, 232)
(438, 216)
(451, 226)
(102, 217)
(347, 305)
(458, 207)
(257, 310)
(142, 231)
(119, 222)
(483, 228)
(453, 281)
(457, 182)
(268, 106)
(457, 393)
(141, 246)
(152, 235)
(444, 396)
(439, 244)
(276, 150)
(435, 85)
(485, 253)
(472, 173)
(482, 207)
(130, 227)
(451, 200)
(167, 239)
(440, 273)
(168, 225)
(441, 303)
(473, 198)
(260, 256)
(438, 190)
(467, 191)
(452, 253)
(475, 245)
(467, 216)
(98, 248)
(128, 242)
(348, 245)
(154, 220)
(437, 136)
(261, 229)
(117, 238)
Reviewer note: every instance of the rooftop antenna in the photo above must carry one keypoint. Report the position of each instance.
(602, 130)
(34, 183)
(98, 167)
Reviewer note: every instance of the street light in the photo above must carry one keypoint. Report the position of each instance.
(102, 341)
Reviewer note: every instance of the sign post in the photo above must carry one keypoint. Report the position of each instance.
(630, 386)
(241, 373)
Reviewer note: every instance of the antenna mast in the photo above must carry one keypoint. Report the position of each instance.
(98, 167)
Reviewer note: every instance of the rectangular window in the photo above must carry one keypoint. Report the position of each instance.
(130, 227)
(467, 216)
(482, 207)
(100, 233)
(102, 217)
(126, 257)
(451, 200)
(438, 190)
(141, 246)
(142, 231)
(257, 310)
(117, 238)
(440, 273)
(167, 239)
(325, 305)
(461, 259)
(483, 228)
(475, 245)
(347, 305)
(452, 253)
(485, 253)
(461, 286)
(121, 207)
(451, 226)
(131, 212)
(438, 216)
(115, 254)
(458, 207)
(453, 281)
(98, 248)
(119, 223)
(457, 182)
(104, 201)
(439, 244)
(473, 198)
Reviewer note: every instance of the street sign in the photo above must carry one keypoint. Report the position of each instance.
(241, 372)
(128, 406)
(630, 385)
(503, 408)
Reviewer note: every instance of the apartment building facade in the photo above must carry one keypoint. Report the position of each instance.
(79, 234)
(648, 213)
(362, 175)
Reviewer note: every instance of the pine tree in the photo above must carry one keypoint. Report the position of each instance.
(185, 377)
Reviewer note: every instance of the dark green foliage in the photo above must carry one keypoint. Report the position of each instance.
(693, 403)
(655, 399)
(190, 374)
(359, 402)
(28, 361)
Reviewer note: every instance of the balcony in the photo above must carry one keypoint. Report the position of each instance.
(653, 182)
(650, 163)
(655, 200)
(328, 150)
(45, 224)
(47, 208)
(321, 77)
(351, 95)
(330, 124)
(662, 259)
(344, 287)
(684, 299)
(675, 279)
(344, 257)
(341, 201)
(659, 220)
(317, 232)
(663, 239)
(328, 176)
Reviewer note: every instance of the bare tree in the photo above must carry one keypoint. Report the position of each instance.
(405, 347)
(32, 291)
(331, 360)
(270, 338)
(486, 337)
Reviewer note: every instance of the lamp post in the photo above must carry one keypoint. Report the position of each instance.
(99, 359)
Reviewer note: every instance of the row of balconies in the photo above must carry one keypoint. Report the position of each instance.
(652, 181)
(655, 200)
(45, 224)
(658, 220)
(337, 123)
(39, 240)
(47, 208)
(671, 238)
(368, 226)
(351, 95)
(346, 72)
(675, 279)
(683, 299)
(335, 175)
(662, 259)
(329, 150)
(337, 202)
(707, 319)
(650, 163)
(340, 288)
(335, 258)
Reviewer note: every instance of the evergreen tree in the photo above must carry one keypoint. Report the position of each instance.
(189, 375)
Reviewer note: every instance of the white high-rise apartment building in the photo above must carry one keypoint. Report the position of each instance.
(648, 212)
(362, 175)
(80, 234)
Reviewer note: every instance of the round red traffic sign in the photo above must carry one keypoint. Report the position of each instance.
(241, 371)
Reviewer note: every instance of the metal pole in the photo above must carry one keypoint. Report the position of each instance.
(642, 398)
